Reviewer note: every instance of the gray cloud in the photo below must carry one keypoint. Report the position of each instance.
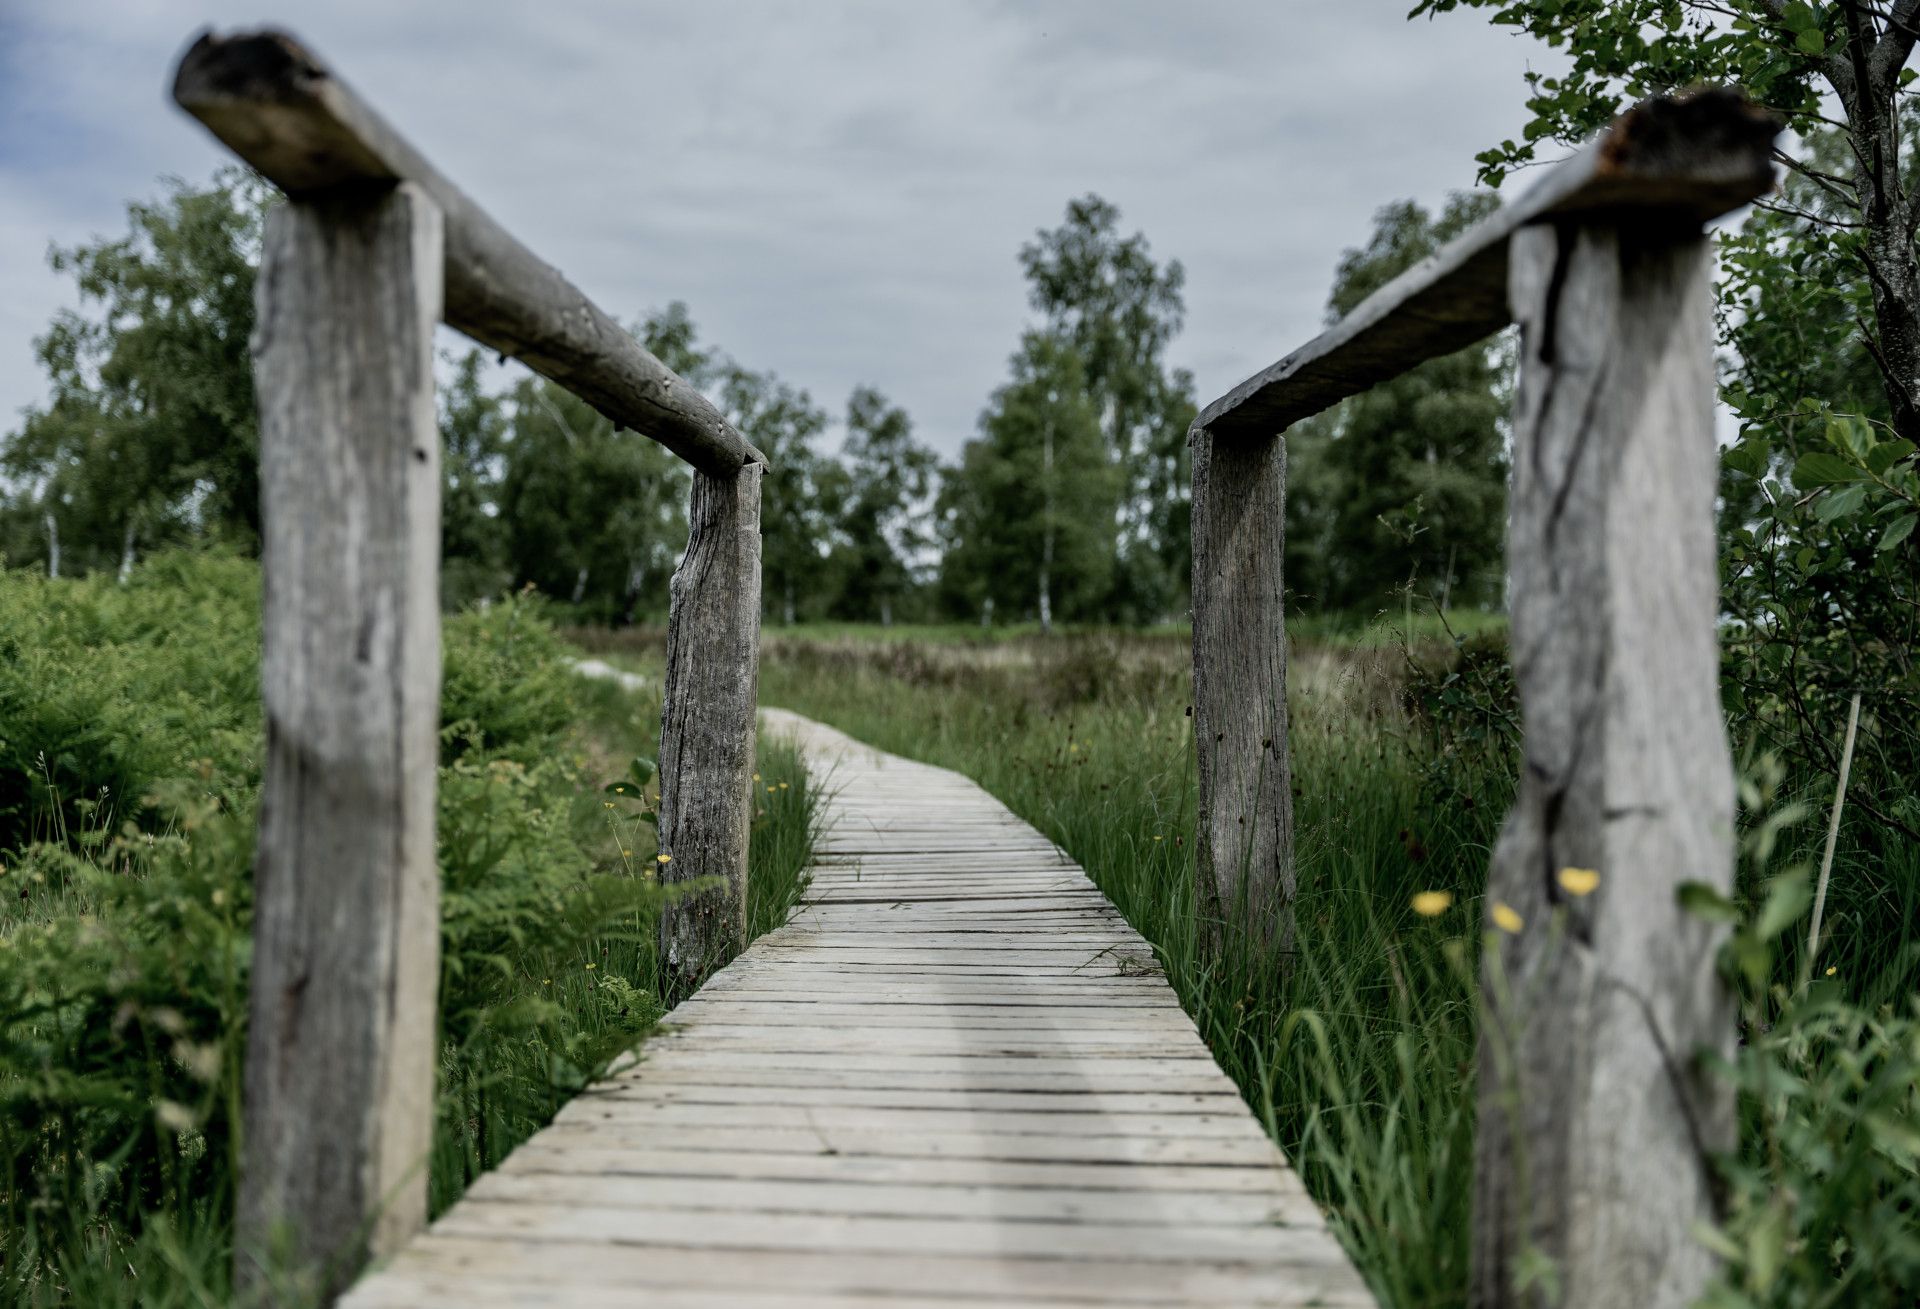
(837, 188)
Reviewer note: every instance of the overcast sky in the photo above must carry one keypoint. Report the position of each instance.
(837, 188)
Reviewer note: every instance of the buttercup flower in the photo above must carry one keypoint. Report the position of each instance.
(1579, 881)
(1431, 904)
(1506, 918)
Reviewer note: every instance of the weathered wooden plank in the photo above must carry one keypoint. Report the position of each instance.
(707, 724)
(1268, 1245)
(1227, 1122)
(340, 1046)
(273, 103)
(880, 1104)
(1695, 158)
(1597, 1121)
(1001, 1174)
(664, 1088)
(1128, 1209)
(1011, 1147)
(1319, 1281)
(983, 1069)
(1244, 825)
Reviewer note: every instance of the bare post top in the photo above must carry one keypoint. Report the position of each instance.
(1673, 160)
(279, 108)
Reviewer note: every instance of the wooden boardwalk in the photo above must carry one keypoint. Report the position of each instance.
(955, 1078)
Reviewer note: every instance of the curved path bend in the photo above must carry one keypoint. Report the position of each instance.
(955, 1078)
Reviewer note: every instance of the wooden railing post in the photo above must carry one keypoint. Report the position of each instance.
(707, 725)
(1596, 1119)
(341, 1048)
(1244, 862)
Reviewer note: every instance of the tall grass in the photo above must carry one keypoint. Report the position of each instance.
(1360, 1057)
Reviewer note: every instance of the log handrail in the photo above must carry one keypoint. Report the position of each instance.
(279, 108)
(1596, 1125)
(1690, 160)
(374, 247)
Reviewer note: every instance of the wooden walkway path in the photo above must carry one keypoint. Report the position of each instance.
(955, 1078)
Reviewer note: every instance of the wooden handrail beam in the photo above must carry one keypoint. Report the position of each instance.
(1693, 157)
(279, 108)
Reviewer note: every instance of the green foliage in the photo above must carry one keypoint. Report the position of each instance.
(1403, 486)
(1821, 1196)
(474, 560)
(150, 436)
(1106, 299)
(888, 479)
(591, 516)
(131, 729)
(801, 493)
(1621, 51)
(105, 689)
(1820, 314)
(1821, 567)
(1030, 510)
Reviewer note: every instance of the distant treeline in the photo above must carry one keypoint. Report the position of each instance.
(1070, 502)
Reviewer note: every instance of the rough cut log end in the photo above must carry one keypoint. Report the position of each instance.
(278, 107)
(267, 98)
(1703, 154)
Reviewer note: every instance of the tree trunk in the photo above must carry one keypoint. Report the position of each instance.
(126, 556)
(579, 585)
(341, 1044)
(707, 726)
(1245, 818)
(1864, 72)
(1046, 531)
(53, 545)
(1596, 1121)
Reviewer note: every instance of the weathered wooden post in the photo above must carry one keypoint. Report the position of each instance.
(1244, 859)
(1596, 1124)
(1596, 1119)
(707, 724)
(342, 1039)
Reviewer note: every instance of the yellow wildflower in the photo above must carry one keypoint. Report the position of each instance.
(1579, 881)
(1505, 918)
(786, 786)
(626, 854)
(1831, 970)
(756, 777)
(663, 859)
(591, 967)
(1431, 904)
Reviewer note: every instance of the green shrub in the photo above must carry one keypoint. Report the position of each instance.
(125, 910)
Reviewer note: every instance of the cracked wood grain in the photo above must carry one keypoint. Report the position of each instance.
(1596, 1121)
(707, 725)
(1245, 819)
(340, 1047)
